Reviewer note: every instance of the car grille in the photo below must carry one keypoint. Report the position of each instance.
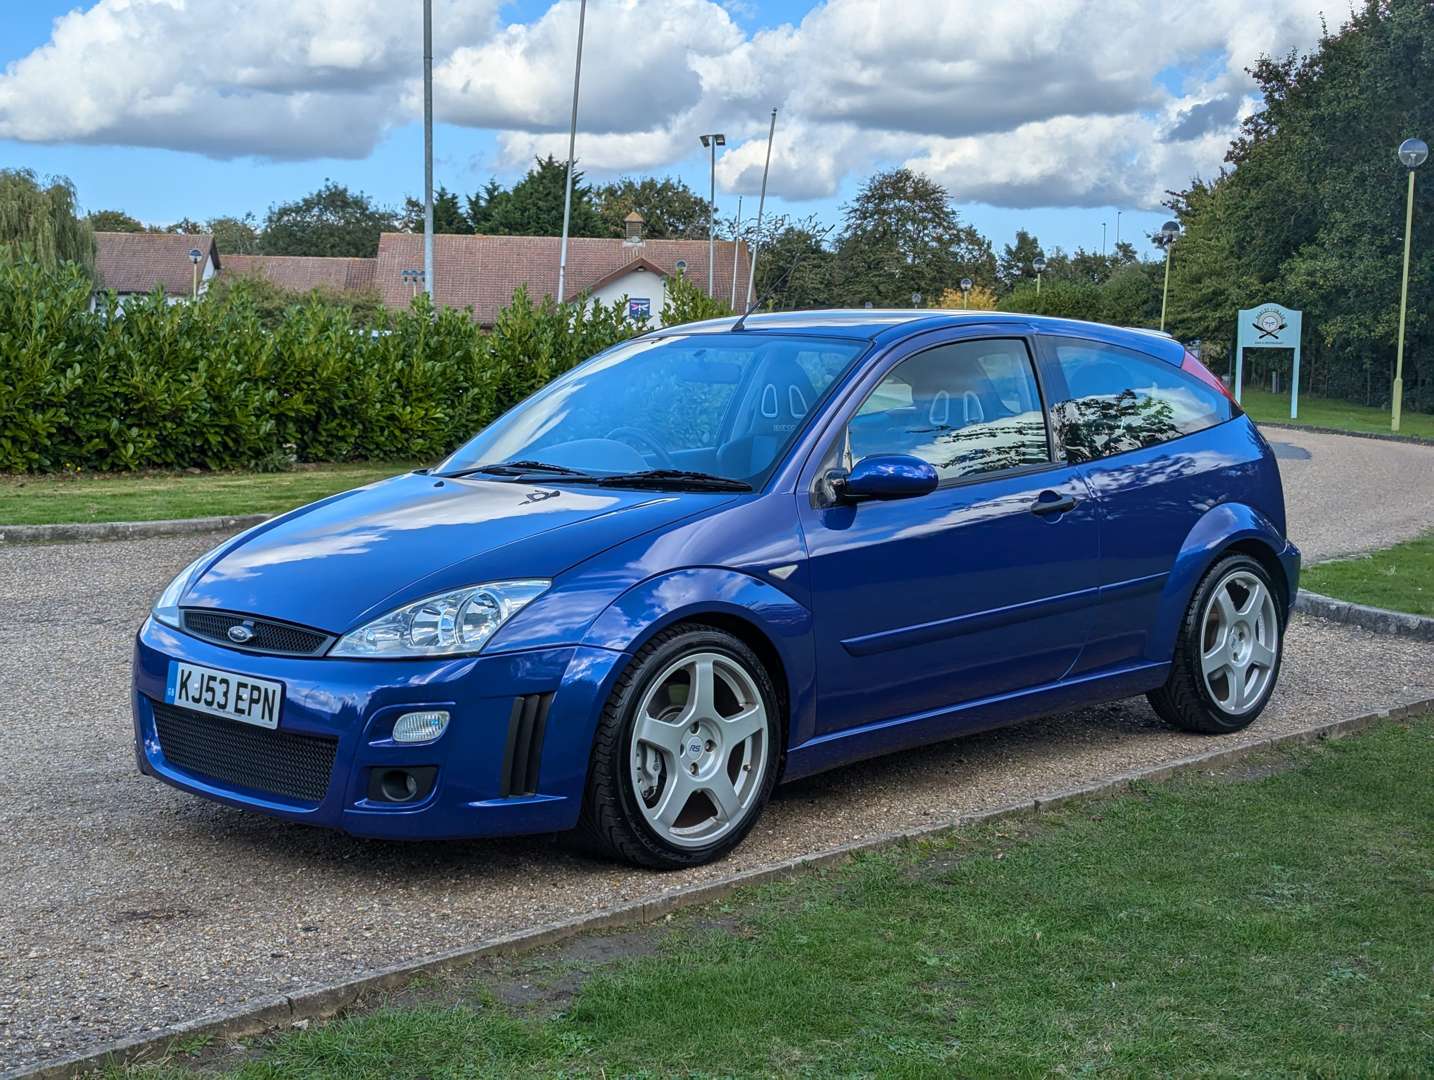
(277, 762)
(268, 636)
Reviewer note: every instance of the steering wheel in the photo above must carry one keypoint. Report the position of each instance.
(632, 435)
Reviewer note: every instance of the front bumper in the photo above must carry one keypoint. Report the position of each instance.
(355, 702)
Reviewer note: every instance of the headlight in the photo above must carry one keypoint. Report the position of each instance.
(166, 608)
(449, 624)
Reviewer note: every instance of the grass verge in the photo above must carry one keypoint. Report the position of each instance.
(154, 496)
(1400, 578)
(1264, 406)
(1275, 920)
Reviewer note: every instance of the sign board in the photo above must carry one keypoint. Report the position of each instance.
(1269, 326)
(639, 307)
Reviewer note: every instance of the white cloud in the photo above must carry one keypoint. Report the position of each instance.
(273, 78)
(1028, 102)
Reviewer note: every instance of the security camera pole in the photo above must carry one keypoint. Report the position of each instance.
(428, 147)
(572, 148)
(712, 142)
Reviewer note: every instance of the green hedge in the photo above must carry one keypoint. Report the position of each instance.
(208, 384)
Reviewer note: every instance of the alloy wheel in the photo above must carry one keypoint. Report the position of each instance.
(700, 749)
(1240, 642)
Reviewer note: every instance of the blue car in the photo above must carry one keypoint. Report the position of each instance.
(727, 554)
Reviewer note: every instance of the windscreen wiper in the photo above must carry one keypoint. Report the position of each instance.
(517, 468)
(673, 478)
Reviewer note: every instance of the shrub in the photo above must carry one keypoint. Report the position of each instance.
(231, 382)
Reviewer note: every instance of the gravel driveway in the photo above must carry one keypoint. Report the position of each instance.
(127, 906)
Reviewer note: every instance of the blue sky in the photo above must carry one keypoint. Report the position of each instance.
(1052, 141)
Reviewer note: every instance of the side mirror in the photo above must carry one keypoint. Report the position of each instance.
(885, 476)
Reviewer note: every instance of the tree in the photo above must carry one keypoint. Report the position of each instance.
(185, 226)
(902, 236)
(330, 221)
(670, 209)
(794, 267)
(448, 215)
(980, 298)
(235, 236)
(40, 219)
(114, 221)
(534, 206)
(1312, 213)
(1018, 260)
(484, 205)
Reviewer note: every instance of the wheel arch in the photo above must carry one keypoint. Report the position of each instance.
(1222, 530)
(776, 627)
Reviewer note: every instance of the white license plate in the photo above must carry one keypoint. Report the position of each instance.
(222, 693)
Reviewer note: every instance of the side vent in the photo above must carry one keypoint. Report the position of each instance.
(524, 754)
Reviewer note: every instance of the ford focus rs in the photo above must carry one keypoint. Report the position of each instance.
(727, 554)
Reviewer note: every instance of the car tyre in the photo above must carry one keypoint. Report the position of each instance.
(655, 740)
(1227, 658)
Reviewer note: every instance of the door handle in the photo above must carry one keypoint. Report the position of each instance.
(1054, 504)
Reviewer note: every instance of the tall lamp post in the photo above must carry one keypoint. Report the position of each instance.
(1168, 232)
(712, 142)
(1412, 153)
(428, 146)
(1039, 266)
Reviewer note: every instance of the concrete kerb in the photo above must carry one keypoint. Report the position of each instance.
(1376, 620)
(124, 530)
(324, 1002)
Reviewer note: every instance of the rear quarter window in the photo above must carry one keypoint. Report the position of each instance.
(1117, 399)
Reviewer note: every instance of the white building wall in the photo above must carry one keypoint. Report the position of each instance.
(639, 284)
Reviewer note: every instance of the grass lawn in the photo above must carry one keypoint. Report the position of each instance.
(1274, 920)
(48, 500)
(1399, 577)
(1332, 413)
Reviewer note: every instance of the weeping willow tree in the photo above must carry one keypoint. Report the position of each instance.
(40, 220)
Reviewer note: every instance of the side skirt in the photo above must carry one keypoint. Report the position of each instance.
(901, 733)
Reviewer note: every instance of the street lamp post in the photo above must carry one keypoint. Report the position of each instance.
(965, 291)
(1117, 227)
(1168, 232)
(195, 255)
(1039, 266)
(1103, 226)
(1412, 153)
(712, 142)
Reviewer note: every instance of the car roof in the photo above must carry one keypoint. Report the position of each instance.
(887, 325)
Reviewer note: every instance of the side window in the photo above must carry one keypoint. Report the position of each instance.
(967, 408)
(1119, 400)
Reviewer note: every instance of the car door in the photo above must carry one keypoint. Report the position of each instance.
(1140, 431)
(979, 588)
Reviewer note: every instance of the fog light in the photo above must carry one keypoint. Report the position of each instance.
(420, 726)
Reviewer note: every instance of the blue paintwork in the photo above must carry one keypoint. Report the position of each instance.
(889, 623)
(890, 476)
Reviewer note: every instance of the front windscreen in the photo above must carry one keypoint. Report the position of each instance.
(727, 404)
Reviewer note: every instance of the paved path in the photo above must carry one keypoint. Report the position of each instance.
(1347, 495)
(126, 906)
